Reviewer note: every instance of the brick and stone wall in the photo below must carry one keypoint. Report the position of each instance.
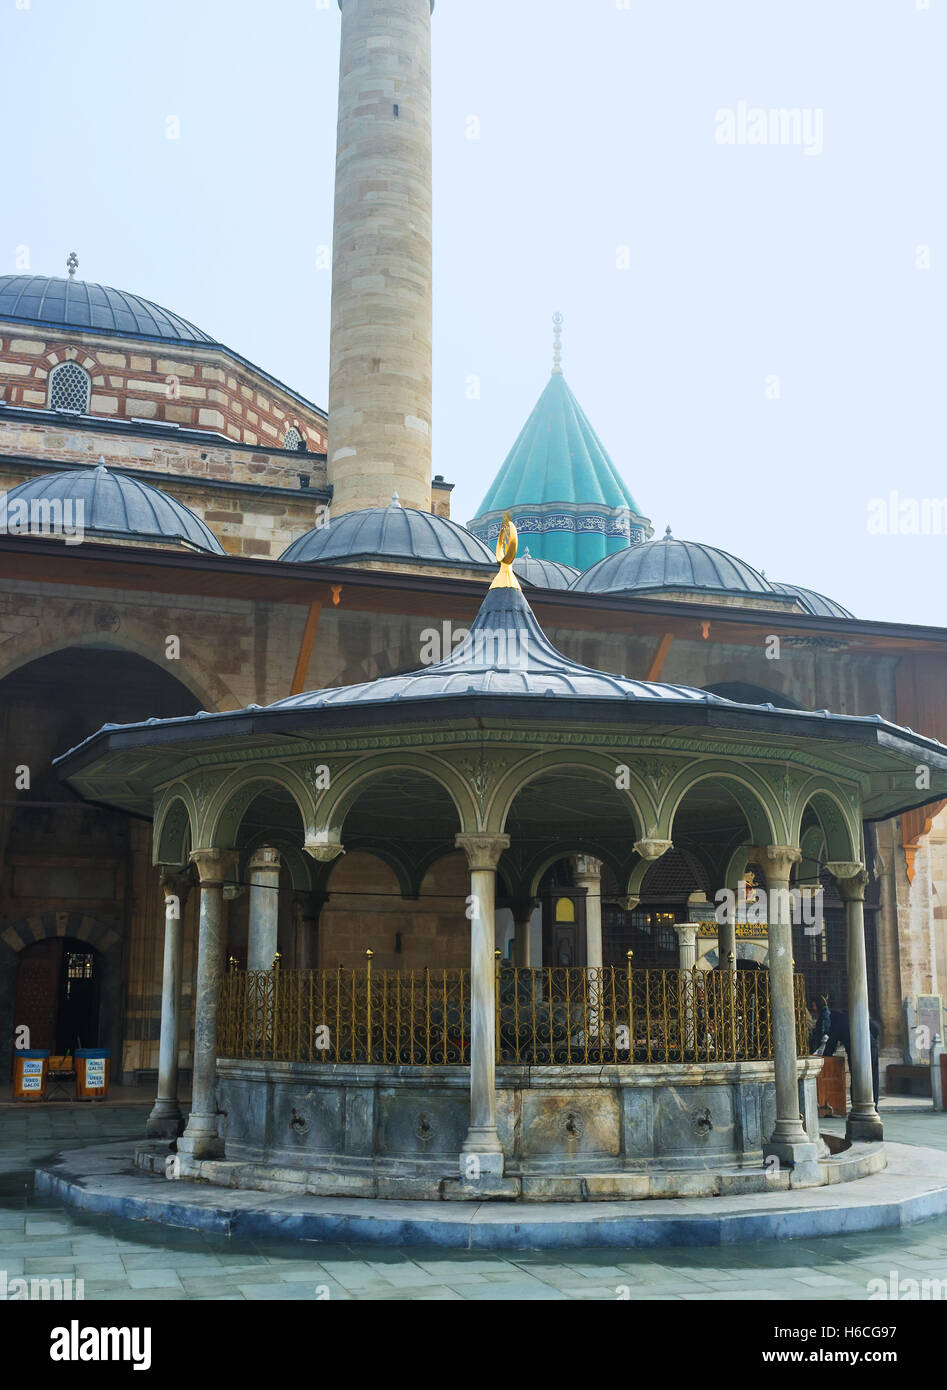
(194, 386)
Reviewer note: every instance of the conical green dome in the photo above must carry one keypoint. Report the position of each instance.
(561, 488)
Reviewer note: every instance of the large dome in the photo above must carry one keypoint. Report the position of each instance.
(44, 299)
(670, 564)
(816, 604)
(399, 534)
(112, 505)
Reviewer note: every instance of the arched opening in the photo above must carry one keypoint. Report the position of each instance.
(58, 990)
(60, 856)
(400, 890)
(647, 930)
(820, 944)
(563, 813)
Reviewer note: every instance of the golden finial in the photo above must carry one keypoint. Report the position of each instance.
(506, 554)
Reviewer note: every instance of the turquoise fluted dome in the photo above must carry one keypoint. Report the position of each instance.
(569, 501)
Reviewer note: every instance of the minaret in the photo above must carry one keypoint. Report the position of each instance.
(380, 352)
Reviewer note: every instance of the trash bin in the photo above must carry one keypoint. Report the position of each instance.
(92, 1073)
(30, 1068)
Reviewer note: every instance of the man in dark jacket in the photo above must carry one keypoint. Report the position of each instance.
(840, 1033)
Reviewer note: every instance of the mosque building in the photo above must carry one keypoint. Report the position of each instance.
(243, 548)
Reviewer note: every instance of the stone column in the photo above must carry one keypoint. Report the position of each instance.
(588, 875)
(789, 1141)
(166, 1120)
(482, 1154)
(380, 359)
(263, 870)
(307, 909)
(863, 1120)
(523, 909)
(200, 1138)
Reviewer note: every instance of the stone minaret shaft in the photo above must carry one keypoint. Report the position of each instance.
(380, 352)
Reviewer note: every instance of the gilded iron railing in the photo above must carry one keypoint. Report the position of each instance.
(414, 1018)
(545, 1017)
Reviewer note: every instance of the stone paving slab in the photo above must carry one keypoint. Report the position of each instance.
(102, 1178)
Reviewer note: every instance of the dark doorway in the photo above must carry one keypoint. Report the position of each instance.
(57, 994)
(563, 917)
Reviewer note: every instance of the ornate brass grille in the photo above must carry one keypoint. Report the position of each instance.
(546, 1017)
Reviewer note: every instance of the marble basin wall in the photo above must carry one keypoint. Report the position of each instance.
(556, 1119)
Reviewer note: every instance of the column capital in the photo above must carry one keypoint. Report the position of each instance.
(851, 876)
(776, 860)
(213, 865)
(587, 866)
(686, 933)
(482, 851)
(626, 901)
(522, 908)
(323, 851)
(175, 883)
(653, 849)
(264, 858)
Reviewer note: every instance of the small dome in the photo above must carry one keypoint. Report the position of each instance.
(544, 574)
(112, 504)
(45, 299)
(816, 604)
(671, 564)
(400, 534)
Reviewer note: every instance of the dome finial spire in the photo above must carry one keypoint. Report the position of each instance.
(557, 322)
(506, 554)
(72, 264)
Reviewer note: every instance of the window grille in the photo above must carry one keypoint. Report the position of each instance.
(69, 388)
(293, 440)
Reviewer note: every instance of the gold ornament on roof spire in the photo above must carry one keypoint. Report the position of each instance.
(506, 554)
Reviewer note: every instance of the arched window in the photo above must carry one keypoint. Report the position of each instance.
(69, 388)
(293, 440)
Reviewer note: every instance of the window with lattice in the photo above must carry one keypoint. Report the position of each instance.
(69, 388)
(293, 440)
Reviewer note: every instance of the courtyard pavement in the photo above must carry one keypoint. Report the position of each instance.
(121, 1259)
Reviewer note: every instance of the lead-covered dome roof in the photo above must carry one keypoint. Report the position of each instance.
(670, 564)
(403, 535)
(48, 299)
(816, 604)
(113, 505)
(544, 574)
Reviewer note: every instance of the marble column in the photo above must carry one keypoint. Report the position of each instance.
(686, 945)
(166, 1120)
(727, 946)
(588, 875)
(263, 870)
(789, 1141)
(482, 1154)
(523, 909)
(863, 1120)
(200, 1139)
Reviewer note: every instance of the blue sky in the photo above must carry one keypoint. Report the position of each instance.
(746, 324)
